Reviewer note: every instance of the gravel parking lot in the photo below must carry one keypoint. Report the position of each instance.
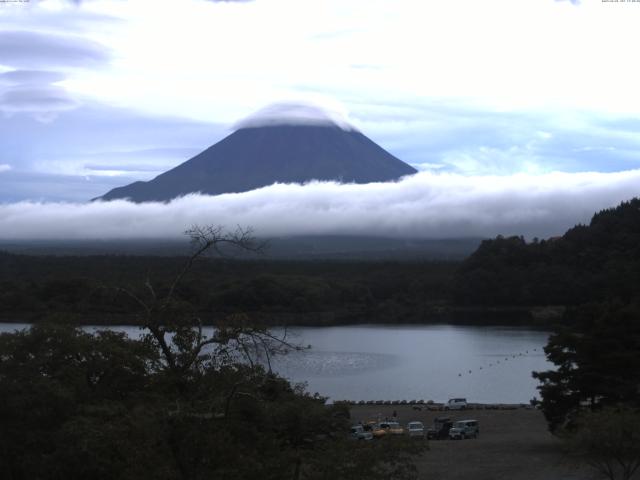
(513, 444)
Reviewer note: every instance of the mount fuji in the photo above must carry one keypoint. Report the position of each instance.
(279, 144)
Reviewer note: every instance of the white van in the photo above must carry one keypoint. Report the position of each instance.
(464, 429)
(456, 404)
(415, 429)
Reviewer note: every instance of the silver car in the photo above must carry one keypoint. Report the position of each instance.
(464, 429)
(359, 433)
(415, 429)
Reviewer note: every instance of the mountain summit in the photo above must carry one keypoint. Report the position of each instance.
(284, 144)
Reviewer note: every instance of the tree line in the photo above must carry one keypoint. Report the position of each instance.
(35, 287)
(595, 262)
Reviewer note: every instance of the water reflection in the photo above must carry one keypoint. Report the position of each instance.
(483, 364)
(374, 362)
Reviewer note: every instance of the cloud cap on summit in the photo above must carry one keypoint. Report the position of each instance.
(295, 113)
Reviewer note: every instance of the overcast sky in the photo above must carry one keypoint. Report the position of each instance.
(97, 94)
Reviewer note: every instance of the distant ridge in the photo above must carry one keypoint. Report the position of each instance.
(299, 147)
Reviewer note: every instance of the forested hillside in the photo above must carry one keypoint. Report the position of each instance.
(33, 288)
(588, 263)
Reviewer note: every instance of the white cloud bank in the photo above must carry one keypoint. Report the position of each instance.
(425, 205)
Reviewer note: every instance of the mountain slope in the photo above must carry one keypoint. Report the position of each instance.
(255, 157)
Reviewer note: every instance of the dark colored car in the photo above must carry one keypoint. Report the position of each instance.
(440, 428)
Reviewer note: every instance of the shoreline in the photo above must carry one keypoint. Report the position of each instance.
(532, 317)
(430, 406)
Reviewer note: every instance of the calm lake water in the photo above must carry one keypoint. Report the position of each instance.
(437, 362)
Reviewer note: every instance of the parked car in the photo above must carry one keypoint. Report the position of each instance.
(464, 429)
(387, 428)
(359, 433)
(440, 428)
(415, 429)
(456, 404)
(370, 426)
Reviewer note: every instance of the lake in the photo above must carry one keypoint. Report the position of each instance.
(406, 362)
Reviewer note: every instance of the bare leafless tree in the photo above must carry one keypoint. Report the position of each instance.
(179, 335)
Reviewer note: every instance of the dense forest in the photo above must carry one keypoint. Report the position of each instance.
(595, 271)
(588, 263)
(35, 287)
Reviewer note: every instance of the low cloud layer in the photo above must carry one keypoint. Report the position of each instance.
(424, 205)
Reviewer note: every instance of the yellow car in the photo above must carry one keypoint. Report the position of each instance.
(387, 428)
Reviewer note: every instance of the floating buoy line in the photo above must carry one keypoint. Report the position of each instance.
(497, 362)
